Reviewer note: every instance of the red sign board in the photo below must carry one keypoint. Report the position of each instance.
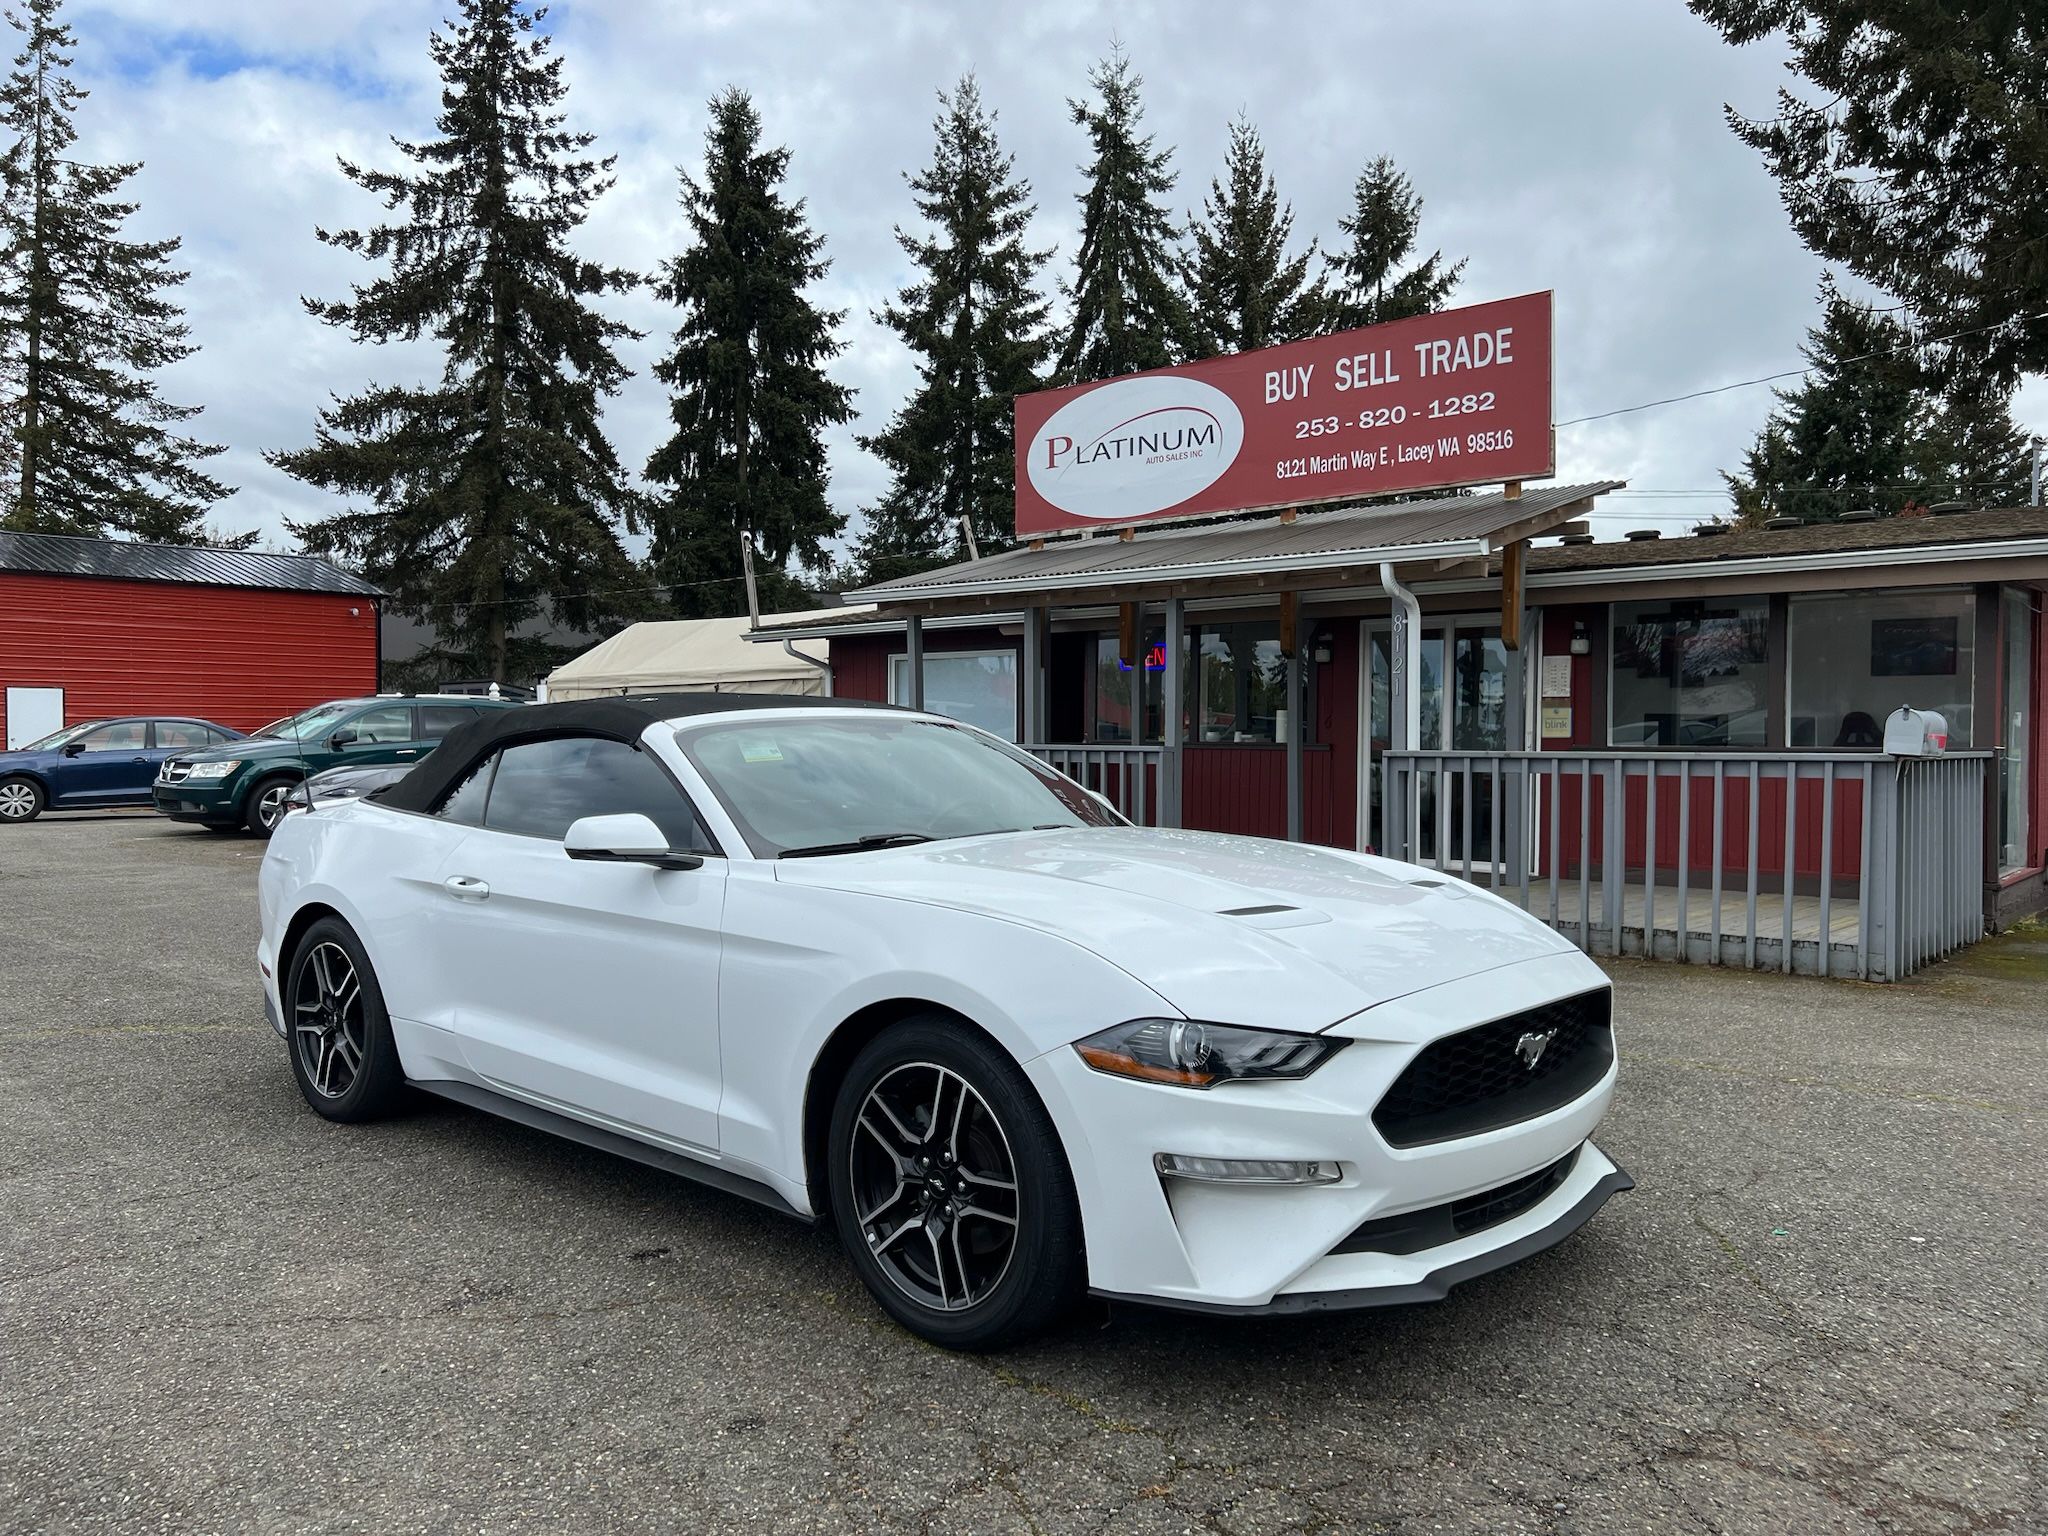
(1457, 398)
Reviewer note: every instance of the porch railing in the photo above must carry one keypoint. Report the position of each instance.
(1828, 864)
(1128, 777)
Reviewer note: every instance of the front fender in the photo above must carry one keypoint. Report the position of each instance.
(799, 961)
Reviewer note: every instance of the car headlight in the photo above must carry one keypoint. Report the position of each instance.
(1192, 1055)
(214, 770)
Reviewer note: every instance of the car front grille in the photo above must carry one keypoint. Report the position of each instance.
(174, 772)
(1433, 1226)
(1480, 1079)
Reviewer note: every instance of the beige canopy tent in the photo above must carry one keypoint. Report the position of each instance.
(711, 655)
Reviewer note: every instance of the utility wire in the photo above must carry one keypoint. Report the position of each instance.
(1793, 373)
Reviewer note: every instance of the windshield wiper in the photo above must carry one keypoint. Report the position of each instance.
(858, 845)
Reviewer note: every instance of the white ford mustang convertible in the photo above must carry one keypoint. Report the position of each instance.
(878, 969)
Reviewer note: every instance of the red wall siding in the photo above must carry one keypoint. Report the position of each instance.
(1244, 790)
(860, 666)
(239, 657)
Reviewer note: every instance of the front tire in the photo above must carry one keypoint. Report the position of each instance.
(339, 1033)
(266, 804)
(950, 1188)
(21, 799)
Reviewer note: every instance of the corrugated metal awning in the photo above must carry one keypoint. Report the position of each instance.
(57, 554)
(1449, 528)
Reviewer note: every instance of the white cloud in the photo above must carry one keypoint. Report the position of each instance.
(1578, 148)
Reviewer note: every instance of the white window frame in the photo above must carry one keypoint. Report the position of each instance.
(901, 695)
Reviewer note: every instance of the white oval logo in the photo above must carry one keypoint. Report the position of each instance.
(1135, 447)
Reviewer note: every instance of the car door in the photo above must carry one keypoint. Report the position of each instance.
(112, 763)
(587, 987)
(380, 733)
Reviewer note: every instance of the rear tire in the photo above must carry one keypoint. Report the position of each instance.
(337, 1029)
(21, 799)
(266, 804)
(951, 1190)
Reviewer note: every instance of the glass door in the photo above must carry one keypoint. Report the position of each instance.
(1464, 709)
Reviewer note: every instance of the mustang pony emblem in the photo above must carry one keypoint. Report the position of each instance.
(1532, 1045)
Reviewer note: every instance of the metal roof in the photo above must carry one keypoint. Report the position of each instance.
(57, 554)
(1991, 527)
(1451, 527)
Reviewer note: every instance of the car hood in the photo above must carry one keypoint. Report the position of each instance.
(1236, 930)
(243, 747)
(27, 760)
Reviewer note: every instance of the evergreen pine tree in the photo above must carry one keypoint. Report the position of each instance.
(1844, 437)
(1369, 279)
(1919, 159)
(977, 322)
(1969, 448)
(494, 497)
(1244, 290)
(750, 397)
(1127, 313)
(86, 317)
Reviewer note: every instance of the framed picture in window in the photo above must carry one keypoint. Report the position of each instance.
(1921, 646)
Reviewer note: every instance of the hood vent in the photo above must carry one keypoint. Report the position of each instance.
(1254, 911)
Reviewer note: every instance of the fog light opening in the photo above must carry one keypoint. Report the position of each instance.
(1246, 1170)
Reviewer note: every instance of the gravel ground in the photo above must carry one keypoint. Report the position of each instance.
(1822, 1310)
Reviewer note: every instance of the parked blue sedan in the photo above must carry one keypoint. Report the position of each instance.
(98, 763)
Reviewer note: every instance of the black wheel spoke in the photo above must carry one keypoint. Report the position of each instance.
(328, 1029)
(932, 1173)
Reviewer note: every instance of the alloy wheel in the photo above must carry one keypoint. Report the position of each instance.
(17, 802)
(935, 1186)
(270, 804)
(327, 1021)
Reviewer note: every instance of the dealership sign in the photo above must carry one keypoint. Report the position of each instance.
(1458, 398)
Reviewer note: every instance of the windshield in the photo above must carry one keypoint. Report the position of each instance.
(56, 739)
(310, 724)
(841, 784)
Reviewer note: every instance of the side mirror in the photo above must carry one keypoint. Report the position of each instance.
(73, 748)
(624, 839)
(342, 739)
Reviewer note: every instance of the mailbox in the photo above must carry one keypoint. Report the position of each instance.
(1915, 733)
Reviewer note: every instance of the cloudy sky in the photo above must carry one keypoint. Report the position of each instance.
(1577, 146)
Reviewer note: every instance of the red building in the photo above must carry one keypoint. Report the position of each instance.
(92, 627)
(1683, 756)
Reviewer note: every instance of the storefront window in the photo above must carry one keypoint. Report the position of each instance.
(1690, 673)
(979, 687)
(1240, 681)
(2015, 850)
(1127, 697)
(1857, 656)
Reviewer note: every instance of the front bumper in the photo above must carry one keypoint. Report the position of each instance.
(1215, 1247)
(187, 801)
(1436, 1284)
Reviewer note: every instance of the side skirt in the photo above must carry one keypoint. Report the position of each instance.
(539, 1119)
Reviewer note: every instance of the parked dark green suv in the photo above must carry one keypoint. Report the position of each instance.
(244, 785)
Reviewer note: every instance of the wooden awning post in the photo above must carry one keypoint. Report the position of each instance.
(913, 661)
(1512, 561)
(1172, 732)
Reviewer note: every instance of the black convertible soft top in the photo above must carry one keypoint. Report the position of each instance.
(619, 719)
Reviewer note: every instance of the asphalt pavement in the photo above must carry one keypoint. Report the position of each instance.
(1821, 1310)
